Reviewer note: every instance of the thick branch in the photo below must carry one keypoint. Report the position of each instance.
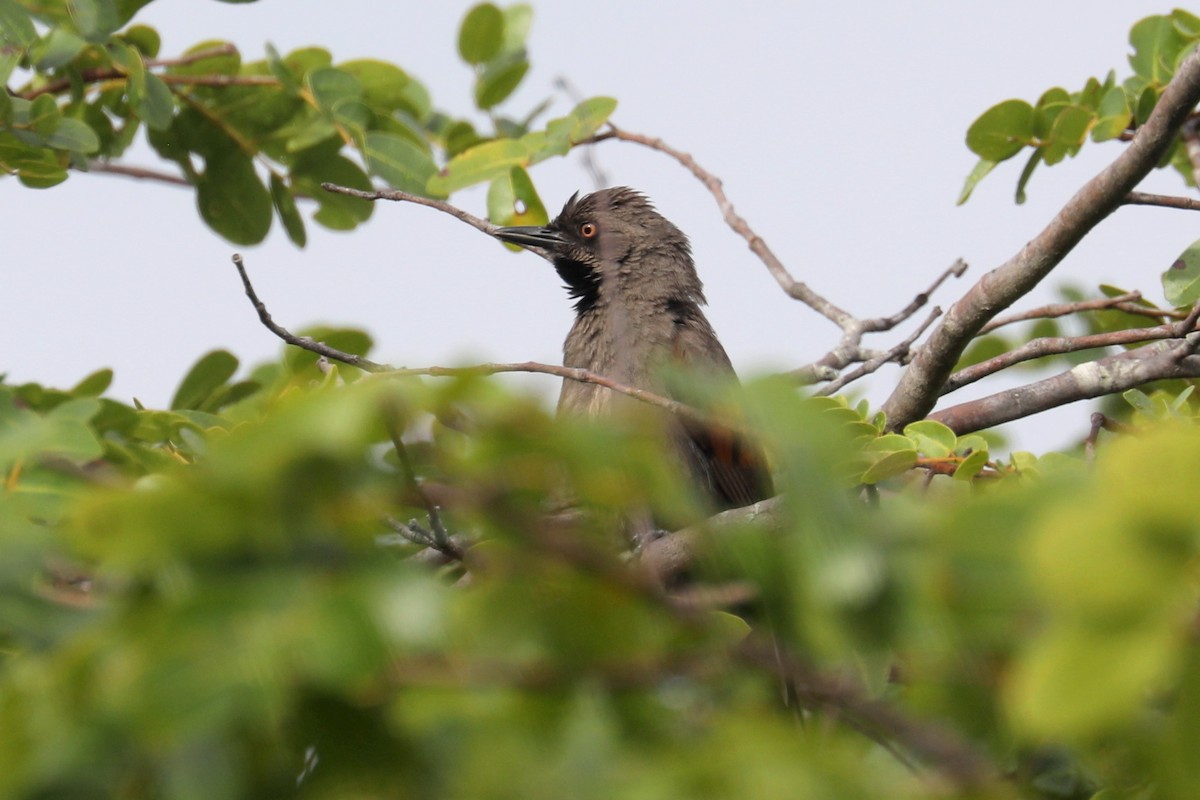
(1175, 358)
(922, 382)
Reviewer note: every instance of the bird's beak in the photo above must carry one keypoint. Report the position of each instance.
(531, 236)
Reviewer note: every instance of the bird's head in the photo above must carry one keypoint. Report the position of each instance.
(614, 240)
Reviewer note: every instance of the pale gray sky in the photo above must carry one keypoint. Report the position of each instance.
(836, 127)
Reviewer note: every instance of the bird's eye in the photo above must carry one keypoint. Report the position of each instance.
(588, 230)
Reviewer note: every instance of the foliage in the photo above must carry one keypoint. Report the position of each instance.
(222, 599)
(1060, 122)
(247, 604)
(253, 137)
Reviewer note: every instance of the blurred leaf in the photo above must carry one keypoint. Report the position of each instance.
(208, 374)
(482, 34)
(93, 385)
(498, 80)
(232, 198)
(1181, 283)
(978, 173)
(285, 209)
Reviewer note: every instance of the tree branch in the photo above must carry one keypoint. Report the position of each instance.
(139, 173)
(1060, 310)
(1175, 358)
(922, 382)
(897, 354)
(1056, 345)
(1162, 200)
(793, 288)
(570, 373)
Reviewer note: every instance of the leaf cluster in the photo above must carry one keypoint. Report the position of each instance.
(1060, 122)
(255, 137)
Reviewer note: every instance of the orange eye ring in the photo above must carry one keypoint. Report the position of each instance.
(588, 230)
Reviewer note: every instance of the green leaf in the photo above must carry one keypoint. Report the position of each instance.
(398, 161)
(156, 106)
(57, 49)
(978, 173)
(1181, 283)
(285, 209)
(339, 95)
(16, 26)
(232, 199)
(513, 200)
(932, 438)
(1068, 134)
(1156, 44)
(1114, 115)
(1002, 130)
(144, 38)
(590, 115)
(44, 116)
(1035, 158)
(971, 465)
(72, 134)
(894, 463)
(338, 212)
(480, 163)
(517, 20)
(381, 84)
(482, 34)
(498, 80)
(93, 385)
(205, 377)
(95, 20)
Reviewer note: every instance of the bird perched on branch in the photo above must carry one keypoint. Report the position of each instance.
(638, 321)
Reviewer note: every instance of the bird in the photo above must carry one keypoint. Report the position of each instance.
(639, 321)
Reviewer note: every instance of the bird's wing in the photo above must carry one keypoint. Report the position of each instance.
(734, 468)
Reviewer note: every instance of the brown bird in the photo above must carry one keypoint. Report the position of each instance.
(638, 321)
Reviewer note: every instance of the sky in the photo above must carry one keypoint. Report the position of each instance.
(837, 129)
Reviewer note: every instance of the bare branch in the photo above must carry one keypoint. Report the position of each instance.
(1175, 358)
(1056, 345)
(303, 342)
(139, 173)
(794, 288)
(897, 354)
(1162, 200)
(1060, 310)
(849, 349)
(569, 373)
(922, 382)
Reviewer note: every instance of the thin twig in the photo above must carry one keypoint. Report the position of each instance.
(140, 173)
(794, 288)
(399, 196)
(303, 342)
(439, 538)
(1060, 310)
(887, 323)
(1161, 200)
(897, 354)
